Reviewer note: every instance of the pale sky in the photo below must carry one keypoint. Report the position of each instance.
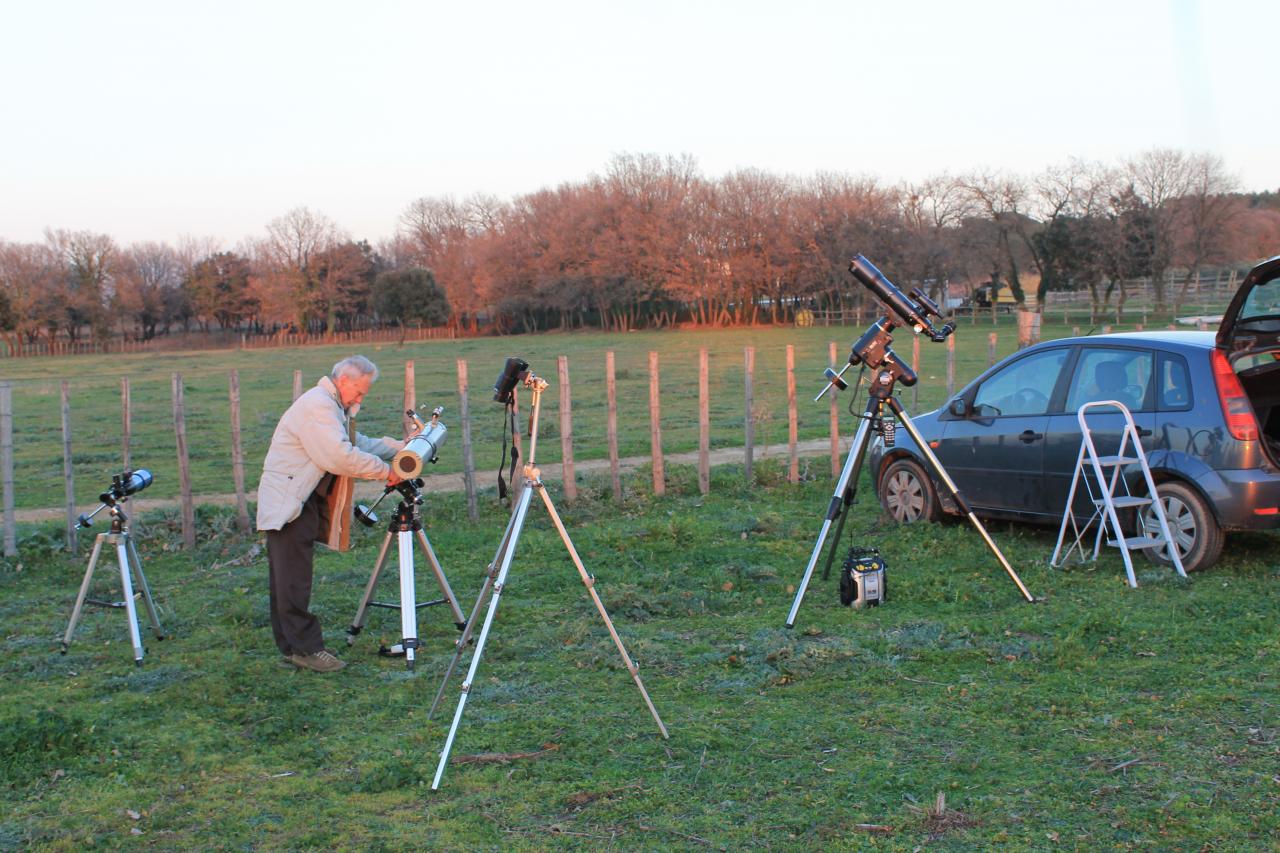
(154, 120)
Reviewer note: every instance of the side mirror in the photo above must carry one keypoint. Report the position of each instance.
(958, 408)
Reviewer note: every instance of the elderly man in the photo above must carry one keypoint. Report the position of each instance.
(310, 446)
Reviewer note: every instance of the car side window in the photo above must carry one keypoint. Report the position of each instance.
(1021, 388)
(1103, 373)
(1175, 383)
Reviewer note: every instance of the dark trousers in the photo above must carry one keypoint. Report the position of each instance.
(290, 552)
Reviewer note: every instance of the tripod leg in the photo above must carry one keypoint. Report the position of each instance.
(408, 598)
(362, 612)
(126, 585)
(848, 476)
(469, 626)
(146, 590)
(905, 420)
(835, 540)
(84, 592)
(517, 524)
(590, 583)
(441, 579)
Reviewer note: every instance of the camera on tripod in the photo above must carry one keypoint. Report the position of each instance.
(122, 486)
(513, 373)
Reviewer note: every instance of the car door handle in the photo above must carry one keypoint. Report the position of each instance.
(1143, 432)
(1027, 436)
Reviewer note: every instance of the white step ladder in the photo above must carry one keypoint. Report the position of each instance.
(1106, 501)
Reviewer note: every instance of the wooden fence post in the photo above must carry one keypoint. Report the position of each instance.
(237, 456)
(468, 462)
(704, 422)
(951, 364)
(297, 384)
(655, 428)
(915, 367)
(793, 424)
(835, 421)
(184, 463)
(67, 473)
(6, 469)
(611, 387)
(750, 425)
(410, 398)
(991, 349)
(566, 431)
(127, 419)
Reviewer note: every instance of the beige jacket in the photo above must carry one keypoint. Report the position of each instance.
(311, 440)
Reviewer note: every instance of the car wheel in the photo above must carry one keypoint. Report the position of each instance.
(1195, 530)
(907, 493)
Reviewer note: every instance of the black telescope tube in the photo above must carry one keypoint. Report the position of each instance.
(888, 293)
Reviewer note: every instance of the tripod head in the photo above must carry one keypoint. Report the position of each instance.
(410, 496)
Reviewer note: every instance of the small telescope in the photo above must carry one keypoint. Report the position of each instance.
(512, 373)
(424, 447)
(122, 486)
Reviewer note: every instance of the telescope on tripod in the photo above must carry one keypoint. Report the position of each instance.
(406, 528)
(874, 350)
(122, 487)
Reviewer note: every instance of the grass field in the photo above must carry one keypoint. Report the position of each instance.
(955, 717)
(266, 387)
(1103, 718)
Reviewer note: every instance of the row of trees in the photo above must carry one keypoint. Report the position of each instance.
(653, 242)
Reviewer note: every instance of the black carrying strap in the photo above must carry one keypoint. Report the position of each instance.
(508, 423)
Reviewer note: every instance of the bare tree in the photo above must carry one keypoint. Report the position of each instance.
(1158, 178)
(286, 255)
(147, 276)
(1003, 200)
(1205, 211)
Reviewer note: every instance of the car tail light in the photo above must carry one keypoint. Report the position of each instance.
(1241, 422)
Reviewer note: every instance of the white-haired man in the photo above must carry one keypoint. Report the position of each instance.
(309, 447)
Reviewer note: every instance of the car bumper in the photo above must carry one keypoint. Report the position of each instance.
(1246, 500)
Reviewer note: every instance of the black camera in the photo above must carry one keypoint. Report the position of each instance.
(512, 372)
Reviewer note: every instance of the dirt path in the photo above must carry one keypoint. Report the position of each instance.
(368, 491)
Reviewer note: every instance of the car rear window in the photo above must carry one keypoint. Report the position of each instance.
(1174, 387)
(1104, 373)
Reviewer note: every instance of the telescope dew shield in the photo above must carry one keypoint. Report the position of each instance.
(419, 450)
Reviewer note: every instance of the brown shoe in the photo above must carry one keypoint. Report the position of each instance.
(321, 661)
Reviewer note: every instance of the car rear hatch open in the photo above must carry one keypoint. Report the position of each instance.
(1249, 338)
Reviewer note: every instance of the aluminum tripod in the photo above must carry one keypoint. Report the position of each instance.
(879, 396)
(405, 527)
(130, 569)
(495, 583)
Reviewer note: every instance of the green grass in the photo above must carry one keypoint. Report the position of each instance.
(266, 386)
(1103, 718)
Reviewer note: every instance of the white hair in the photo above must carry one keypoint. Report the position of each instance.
(354, 367)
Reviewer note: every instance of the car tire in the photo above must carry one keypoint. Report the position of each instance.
(1194, 529)
(907, 493)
